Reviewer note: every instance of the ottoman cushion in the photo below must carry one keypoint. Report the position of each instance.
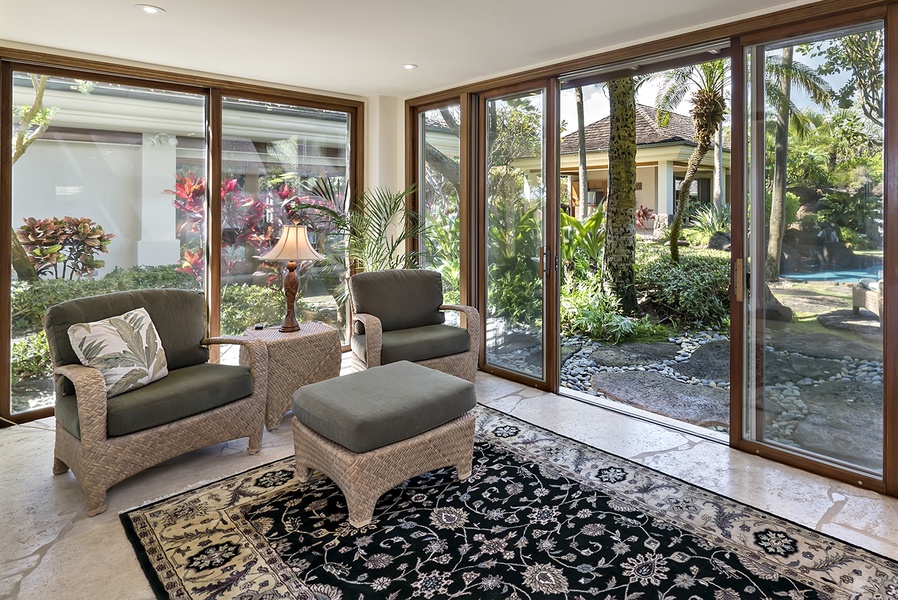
(382, 405)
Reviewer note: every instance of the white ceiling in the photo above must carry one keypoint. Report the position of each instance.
(358, 47)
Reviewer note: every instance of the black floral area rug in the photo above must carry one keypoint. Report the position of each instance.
(541, 516)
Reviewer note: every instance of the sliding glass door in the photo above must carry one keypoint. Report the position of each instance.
(518, 258)
(282, 164)
(94, 203)
(814, 361)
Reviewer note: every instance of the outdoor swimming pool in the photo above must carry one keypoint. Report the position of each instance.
(842, 275)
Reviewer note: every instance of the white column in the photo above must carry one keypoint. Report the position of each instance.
(158, 244)
(384, 141)
(666, 192)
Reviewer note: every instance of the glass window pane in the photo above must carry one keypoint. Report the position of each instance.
(94, 203)
(439, 194)
(282, 164)
(516, 200)
(815, 335)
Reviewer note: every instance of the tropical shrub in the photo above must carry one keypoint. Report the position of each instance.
(443, 254)
(514, 237)
(379, 229)
(793, 203)
(516, 294)
(587, 310)
(644, 214)
(29, 300)
(711, 219)
(65, 248)
(693, 292)
(582, 244)
(244, 230)
(852, 211)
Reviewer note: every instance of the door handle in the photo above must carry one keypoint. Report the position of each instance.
(739, 277)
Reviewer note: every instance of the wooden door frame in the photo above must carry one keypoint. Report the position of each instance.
(551, 326)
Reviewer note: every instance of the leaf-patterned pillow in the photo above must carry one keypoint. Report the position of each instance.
(125, 349)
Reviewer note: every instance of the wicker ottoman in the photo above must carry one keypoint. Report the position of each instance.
(370, 431)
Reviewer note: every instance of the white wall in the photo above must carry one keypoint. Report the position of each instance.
(93, 180)
(385, 143)
(647, 195)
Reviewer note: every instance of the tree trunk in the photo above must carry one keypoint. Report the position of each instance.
(620, 226)
(683, 197)
(717, 196)
(780, 153)
(582, 208)
(442, 164)
(21, 265)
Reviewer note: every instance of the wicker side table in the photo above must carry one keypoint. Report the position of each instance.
(295, 359)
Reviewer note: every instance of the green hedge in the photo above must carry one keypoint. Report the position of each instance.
(693, 292)
(30, 300)
(243, 306)
(31, 358)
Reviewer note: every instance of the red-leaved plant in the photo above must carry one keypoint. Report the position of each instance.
(643, 214)
(244, 232)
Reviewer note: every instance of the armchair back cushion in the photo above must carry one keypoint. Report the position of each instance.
(179, 317)
(400, 298)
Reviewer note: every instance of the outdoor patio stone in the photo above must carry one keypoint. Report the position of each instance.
(850, 431)
(697, 404)
(634, 354)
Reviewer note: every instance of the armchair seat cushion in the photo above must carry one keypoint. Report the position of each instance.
(184, 392)
(417, 343)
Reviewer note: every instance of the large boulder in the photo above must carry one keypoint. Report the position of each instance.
(720, 241)
(838, 256)
(774, 310)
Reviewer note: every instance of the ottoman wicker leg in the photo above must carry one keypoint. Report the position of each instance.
(364, 477)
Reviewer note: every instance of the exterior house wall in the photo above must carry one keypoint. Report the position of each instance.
(646, 192)
(94, 180)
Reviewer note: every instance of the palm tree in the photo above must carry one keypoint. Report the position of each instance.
(782, 74)
(707, 84)
(583, 175)
(618, 278)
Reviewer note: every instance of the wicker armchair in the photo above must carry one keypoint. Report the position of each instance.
(397, 315)
(105, 440)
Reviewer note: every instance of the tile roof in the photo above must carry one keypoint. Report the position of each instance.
(647, 131)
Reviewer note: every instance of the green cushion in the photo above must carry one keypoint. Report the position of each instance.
(417, 343)
(382, 405)
(400, 298)
(179, 317)
(184, 392)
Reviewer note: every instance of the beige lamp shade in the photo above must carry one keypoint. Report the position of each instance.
(293, 245)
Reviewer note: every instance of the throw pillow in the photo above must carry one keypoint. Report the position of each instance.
(125, 349)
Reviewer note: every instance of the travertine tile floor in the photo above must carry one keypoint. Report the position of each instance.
(49, 549)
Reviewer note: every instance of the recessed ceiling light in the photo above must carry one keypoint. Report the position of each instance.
(149, 9)
(409, 66)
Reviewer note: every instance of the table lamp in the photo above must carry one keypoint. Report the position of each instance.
(292, 246)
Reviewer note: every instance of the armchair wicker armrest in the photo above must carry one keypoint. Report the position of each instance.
(90, 388)
(373, 337)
